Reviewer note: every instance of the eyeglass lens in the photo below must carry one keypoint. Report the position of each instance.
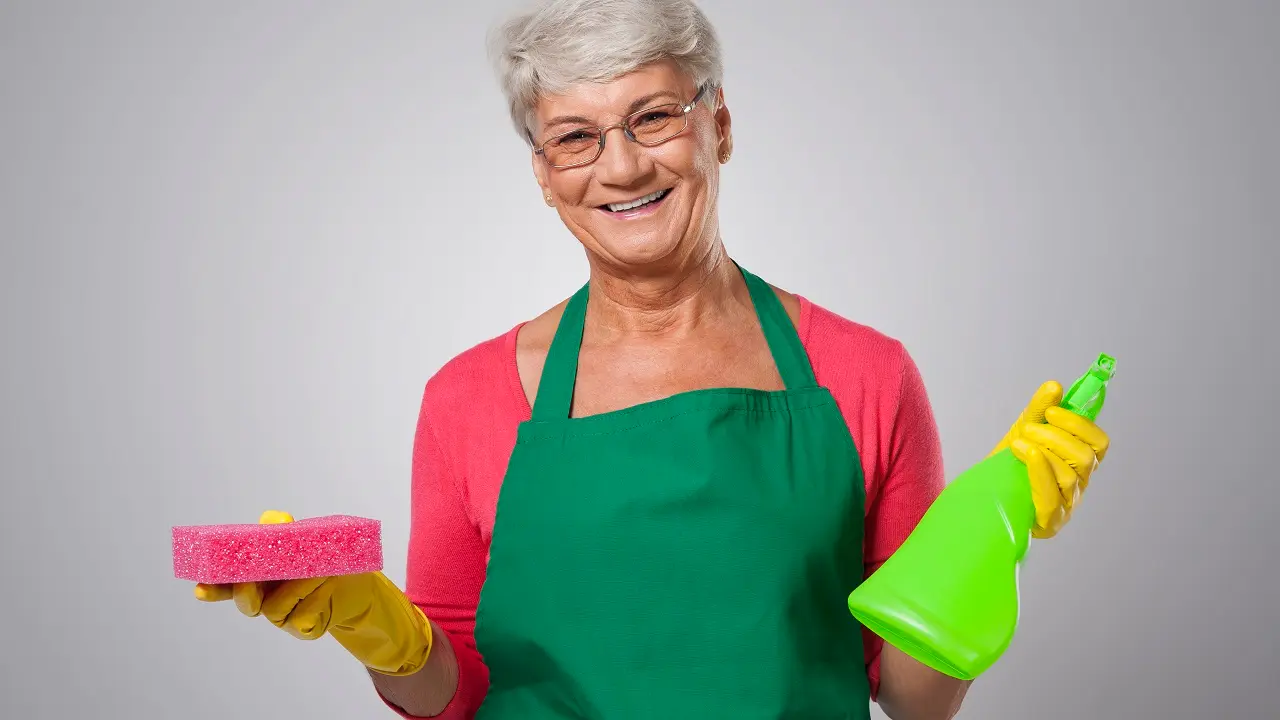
(648, 127)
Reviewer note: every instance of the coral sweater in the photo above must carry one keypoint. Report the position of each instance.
(467, 429)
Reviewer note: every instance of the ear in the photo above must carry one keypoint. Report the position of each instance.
(724, 126)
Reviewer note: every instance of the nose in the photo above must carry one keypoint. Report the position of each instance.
(621, 161)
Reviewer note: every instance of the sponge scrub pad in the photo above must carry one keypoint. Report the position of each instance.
(313, 547)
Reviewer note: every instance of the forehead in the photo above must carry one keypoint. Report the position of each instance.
(599, 103)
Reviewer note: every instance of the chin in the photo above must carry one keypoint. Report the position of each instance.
(648, 244)
(643, 251)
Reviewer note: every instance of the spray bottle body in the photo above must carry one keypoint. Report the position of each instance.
(959, 613)
(949, 596)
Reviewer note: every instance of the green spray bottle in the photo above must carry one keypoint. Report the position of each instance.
(949, 596)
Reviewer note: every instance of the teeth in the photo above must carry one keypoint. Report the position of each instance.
(619, 207)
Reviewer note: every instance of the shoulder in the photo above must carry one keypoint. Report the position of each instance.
(482, 376)
(495, 373)
(850, 355)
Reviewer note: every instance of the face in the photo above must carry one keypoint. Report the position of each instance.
(678, 178)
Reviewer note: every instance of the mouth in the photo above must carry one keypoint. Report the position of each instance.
(639, 205)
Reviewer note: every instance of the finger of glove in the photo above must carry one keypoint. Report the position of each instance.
(1044, 486)
(206, 592)
(1066, 446)
(310, 617)
(1069, 482)
(1083, 428)
(283, 599)
(1048, 395)
(274, 517)
(248, 597)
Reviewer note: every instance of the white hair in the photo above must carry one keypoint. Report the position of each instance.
(562, 43)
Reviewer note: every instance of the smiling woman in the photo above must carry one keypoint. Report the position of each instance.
(655, 497)
(636, 201)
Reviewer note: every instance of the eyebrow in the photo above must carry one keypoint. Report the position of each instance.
(639, 103)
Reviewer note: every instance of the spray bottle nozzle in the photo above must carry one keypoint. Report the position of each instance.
(1087, 394)
(1104, 367)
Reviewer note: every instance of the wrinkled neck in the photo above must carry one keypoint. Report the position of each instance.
(705, 290)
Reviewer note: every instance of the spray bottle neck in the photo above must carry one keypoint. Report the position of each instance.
(1087, 394)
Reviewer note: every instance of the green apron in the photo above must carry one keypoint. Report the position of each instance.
(688, 557)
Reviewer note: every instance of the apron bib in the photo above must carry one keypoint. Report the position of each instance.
(689, 557)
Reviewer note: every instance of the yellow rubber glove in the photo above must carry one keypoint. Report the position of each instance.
(1060, 449)
(366, 613)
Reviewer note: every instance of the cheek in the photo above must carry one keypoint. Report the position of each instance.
(704, 160)
(692, 161)
(704, 169)
(570, 185)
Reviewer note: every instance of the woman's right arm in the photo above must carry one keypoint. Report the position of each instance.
(445, 571)
(427, 692)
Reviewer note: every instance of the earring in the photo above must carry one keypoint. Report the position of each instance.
(724, 156)
(550, 201)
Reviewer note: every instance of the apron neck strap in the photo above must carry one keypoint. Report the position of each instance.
(560, 372)
(784, 342)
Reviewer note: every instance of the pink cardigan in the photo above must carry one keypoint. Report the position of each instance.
(467, 429)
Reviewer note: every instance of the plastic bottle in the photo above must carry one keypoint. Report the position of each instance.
(949, 596)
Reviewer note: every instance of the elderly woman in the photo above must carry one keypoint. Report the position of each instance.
(653, 499)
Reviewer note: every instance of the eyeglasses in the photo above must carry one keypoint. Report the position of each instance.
(648, 127)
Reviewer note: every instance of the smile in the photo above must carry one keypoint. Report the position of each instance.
(645, 203)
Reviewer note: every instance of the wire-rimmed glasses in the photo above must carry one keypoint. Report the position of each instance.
(648, 127)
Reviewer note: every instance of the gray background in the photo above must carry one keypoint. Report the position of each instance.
(239, 237)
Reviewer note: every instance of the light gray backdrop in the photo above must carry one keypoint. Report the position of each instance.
(238, 238)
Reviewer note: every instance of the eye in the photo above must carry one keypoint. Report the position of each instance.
(577, 138)
(653, 116)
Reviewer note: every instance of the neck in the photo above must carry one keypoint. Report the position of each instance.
(705, 289)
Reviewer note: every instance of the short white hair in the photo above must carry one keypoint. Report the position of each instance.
(562, 43)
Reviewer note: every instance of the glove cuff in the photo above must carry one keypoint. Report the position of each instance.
(393, 638)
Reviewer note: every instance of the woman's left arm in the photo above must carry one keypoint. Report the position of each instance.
(911, 479)
(910, 690)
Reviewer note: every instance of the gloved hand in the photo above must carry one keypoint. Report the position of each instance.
(366, 613)
(1060, 449)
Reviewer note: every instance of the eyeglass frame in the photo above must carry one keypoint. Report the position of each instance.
(603, 131)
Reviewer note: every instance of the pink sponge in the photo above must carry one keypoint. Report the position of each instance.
(314, 547)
